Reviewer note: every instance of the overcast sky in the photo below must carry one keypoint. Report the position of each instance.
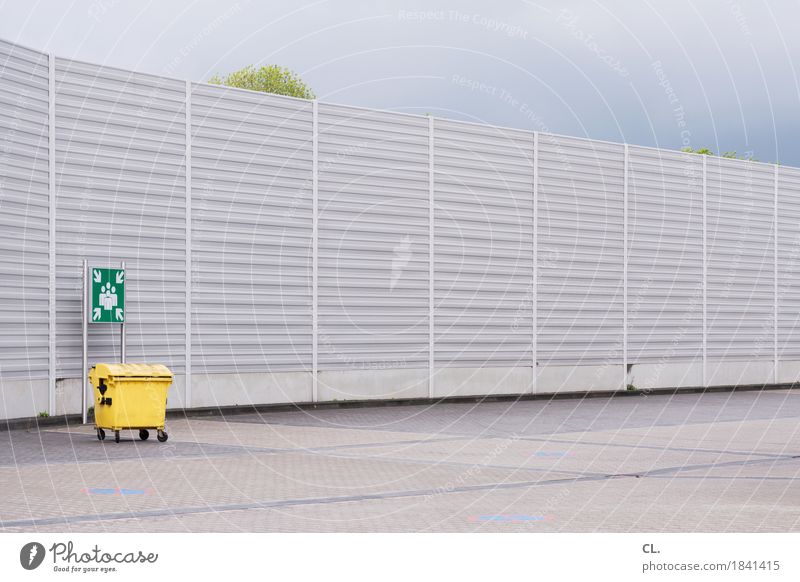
(714, 73)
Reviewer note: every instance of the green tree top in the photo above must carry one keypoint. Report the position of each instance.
(267, 79)
(708, 152)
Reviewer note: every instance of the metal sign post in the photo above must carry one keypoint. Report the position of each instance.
(85, 335)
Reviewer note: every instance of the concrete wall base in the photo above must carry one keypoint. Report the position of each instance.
(558, 379)
(665, 375)
(725, 373)
(27, 398)
(210, 390)
(23, 398)
(788, 372)
(454, 382)
(372, 384)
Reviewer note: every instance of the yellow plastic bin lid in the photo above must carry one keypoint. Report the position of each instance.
(131, 371)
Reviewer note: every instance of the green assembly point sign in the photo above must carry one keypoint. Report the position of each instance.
(108, 295)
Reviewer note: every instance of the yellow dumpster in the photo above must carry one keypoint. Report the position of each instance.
(130, 396)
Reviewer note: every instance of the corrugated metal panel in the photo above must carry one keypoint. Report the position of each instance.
(24, 223)
(483, 239)
(373, 239)
(740, 259)
(120, 183)
(665, 256)
(121, 196)
(788, 263)
(580, 298)
(251, 231)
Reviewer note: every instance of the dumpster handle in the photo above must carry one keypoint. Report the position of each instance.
(101, 388)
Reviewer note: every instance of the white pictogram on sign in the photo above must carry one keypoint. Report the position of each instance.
(108, 296)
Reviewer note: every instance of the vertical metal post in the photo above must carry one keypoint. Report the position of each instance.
(187, 394)
(51, 216)
(315, 251)
(534, 283)
(775, 282)
(85, 336)
(705, 277)
(122, 325)
(625, 269)
(431, 262)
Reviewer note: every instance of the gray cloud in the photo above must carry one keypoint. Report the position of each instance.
(719, 73)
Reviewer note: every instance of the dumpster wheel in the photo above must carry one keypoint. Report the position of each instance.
(162, 436)
(101, 434)
(116, 436)
(144, 434)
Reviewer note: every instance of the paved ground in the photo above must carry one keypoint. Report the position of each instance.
(689, 462)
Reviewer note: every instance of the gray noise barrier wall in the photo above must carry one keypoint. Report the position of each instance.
(284, 250)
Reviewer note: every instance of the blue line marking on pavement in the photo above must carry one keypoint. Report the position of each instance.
(511, 518)
(115, 491)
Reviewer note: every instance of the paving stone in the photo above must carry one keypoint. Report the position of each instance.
(690, 462)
